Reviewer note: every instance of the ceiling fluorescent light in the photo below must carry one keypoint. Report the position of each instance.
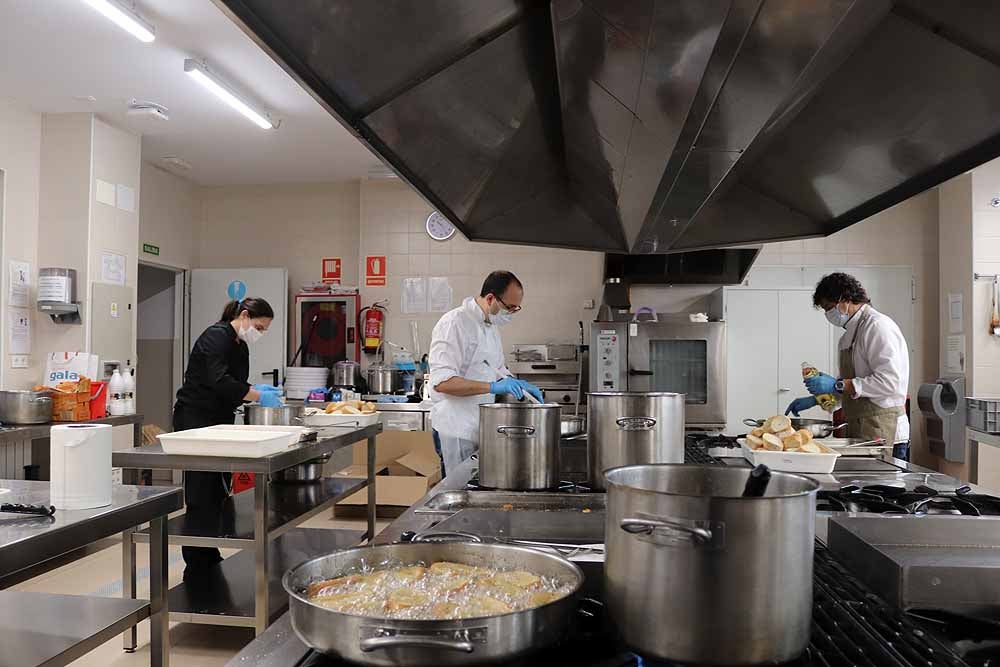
(126, 18)
(203, 75)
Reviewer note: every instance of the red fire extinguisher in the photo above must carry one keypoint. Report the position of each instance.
(373, 329)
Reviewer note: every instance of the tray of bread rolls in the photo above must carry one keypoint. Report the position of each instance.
(780, 447)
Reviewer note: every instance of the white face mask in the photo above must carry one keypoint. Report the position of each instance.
(502, 318)
(837, 318)
(249, 334)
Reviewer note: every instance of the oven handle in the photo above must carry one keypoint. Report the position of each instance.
(633, 371)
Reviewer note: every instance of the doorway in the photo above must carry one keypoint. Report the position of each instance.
(159, 343)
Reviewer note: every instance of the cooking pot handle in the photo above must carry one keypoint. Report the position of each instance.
(40, 399)
(636, 423)
(753, 423)
(637, 526)
(446, 536)
(516, 431)
(416, 641)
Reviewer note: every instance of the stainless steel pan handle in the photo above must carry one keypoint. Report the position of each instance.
(636, 526)
(636, 423)
(517, 431)
(416, 641)
(753, 423)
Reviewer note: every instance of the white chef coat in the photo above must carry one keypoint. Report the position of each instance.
(463, 344)
(881, 362)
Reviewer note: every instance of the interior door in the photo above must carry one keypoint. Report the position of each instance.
(803, 335)
(211, 289)
(752, 320)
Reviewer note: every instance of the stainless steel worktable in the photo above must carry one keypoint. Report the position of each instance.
(264, 524)
(40, 629)
(14, 433)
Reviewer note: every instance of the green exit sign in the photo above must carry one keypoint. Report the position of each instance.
(151, 249)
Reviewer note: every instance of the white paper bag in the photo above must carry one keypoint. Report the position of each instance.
(69, 366)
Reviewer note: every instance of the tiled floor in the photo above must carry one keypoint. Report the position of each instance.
(192, 645)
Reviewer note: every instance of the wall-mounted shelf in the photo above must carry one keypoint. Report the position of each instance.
(61, 313)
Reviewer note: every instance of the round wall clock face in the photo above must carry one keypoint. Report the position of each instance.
(439, 228)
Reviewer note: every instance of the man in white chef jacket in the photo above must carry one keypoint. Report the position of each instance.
(874, 368)
(467, 366)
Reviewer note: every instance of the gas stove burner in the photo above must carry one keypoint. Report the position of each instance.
(564, 486)
(890, 498)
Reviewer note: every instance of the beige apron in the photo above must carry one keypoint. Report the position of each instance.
(864, 418)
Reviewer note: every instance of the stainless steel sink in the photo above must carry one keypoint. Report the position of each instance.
(449, 502)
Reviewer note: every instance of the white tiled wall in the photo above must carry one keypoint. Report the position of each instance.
(556, 282)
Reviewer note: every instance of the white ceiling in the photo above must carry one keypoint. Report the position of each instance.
(56, 50)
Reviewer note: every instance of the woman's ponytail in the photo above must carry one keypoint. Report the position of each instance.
(255, 307)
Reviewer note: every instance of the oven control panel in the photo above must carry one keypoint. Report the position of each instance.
(607, 376)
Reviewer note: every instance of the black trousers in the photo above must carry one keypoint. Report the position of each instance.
(205, 493)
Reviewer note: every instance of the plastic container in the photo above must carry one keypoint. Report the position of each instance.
(211, 441)
(98, 400)
(116, 405)
(129, 392)
(826, 401)
(983, 414)
(822, 464)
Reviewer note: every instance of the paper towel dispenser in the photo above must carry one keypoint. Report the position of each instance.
(942, 403)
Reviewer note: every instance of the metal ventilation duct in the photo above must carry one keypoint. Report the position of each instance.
(652, 126)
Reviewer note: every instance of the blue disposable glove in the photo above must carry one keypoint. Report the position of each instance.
(800, 404)
(533, 390)
(821, 384)
(510, 386)
(270, 399)
(262, 388)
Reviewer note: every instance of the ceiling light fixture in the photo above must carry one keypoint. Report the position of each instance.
(200, 72)
(175, 161)
(126, 18)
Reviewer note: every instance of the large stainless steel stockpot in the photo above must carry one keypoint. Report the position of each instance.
(519, 445)
(696, 573)
(469, 641)
(25, 407)
(631, 427)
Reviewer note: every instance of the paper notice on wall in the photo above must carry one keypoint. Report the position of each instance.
(955, 354)
(414, 295)
(955, 313)
(19, 335)
(126, 198)
(439, 295)
(20, 284)
(105, 192)
(112, 268)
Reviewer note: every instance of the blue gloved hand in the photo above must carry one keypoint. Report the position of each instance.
(800, 404)
(270, 399)
(533, 390)
(821, 384)
(510, 386)
(262, 388)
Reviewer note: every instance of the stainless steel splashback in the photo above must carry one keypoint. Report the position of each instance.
(651, 126)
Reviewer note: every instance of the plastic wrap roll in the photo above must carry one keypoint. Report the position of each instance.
(80, 461)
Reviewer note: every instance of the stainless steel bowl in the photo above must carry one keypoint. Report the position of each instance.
(25, 407)
(304, 473)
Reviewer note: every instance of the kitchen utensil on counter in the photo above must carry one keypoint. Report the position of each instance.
(25, 407)
(304, 473)
(519, 445)
(36, 510)
(819, 428)
(384, 379)
(719, 562)
(571, 426)
(626, 428)
(995, 310)
(471, 641)
(757, 482)
(285, 415)
(80, 466)
(347, 374)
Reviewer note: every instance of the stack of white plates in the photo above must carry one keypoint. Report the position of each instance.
(300, 379)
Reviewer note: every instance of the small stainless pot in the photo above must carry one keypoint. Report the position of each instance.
(383, 379)
(304, 473)
(25, 407)
(519, 446)
(572, 425)
(820, 428)
(285, 415)
(347, 374)
(688, 557)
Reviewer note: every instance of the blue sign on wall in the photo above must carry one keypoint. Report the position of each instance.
(237, 290)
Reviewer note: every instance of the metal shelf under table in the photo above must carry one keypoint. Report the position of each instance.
(50, 630)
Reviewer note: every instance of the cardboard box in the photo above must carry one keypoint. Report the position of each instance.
(400, 481)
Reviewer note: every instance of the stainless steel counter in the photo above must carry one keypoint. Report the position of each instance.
(14, 433)
(55, 630)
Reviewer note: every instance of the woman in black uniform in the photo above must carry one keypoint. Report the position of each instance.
(215, 384)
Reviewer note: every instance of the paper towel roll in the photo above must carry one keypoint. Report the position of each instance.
(80, 461)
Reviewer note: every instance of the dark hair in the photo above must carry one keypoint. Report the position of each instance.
(255, 307)
(838, 287)
(497, 283)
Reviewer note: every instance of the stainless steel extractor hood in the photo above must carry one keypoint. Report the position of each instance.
(651, 126)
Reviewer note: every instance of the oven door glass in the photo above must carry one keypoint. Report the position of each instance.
(680, 366)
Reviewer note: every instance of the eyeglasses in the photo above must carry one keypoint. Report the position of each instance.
(510, 309)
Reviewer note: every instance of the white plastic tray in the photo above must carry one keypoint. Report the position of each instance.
(791, 461)
(213, 441)
(299, 431)
(839, 445)
(323, 419)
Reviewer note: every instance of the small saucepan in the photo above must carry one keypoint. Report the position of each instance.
(820, 428)
(572, 425)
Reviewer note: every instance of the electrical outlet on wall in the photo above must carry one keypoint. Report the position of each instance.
(19, 361)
